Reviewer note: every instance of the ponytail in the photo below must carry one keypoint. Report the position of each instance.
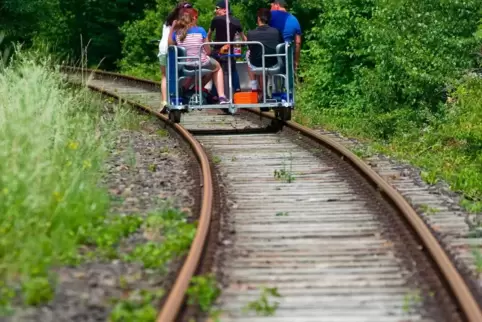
(187, 20)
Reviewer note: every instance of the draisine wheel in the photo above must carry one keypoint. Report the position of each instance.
(175, 116)
(284, 113)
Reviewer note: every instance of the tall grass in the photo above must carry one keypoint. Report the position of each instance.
(53, 141)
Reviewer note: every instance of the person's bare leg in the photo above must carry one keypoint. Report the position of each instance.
(163, 88)
(259, 79)
(187, 82)
(252, 80)
(206, 79)
(250, 74)
(218, 79)
(163, 84)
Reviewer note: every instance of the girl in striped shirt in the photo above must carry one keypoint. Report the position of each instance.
(185, 33)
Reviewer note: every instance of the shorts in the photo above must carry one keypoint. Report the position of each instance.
(251, 67)
(248, 53)
(211, 64)
(163, 59)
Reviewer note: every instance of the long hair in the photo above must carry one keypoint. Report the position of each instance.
(175, 13)
(187, 19)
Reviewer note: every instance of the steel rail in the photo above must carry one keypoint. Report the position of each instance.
(175, 298)
(458, 287)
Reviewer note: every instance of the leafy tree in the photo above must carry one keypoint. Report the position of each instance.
(21, 19)
(97, 23)
(64, 23)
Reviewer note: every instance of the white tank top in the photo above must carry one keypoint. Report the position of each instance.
(163, 44)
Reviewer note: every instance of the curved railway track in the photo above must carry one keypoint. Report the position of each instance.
(306, 217)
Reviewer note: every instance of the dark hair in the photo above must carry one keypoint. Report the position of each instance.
(281, 3)
(264, 15)
(175, 13)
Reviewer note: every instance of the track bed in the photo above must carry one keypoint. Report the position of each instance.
(310, 226)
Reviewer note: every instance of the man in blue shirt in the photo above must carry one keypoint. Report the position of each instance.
(288, 26)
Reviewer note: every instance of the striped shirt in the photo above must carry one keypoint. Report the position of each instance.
(194, 39)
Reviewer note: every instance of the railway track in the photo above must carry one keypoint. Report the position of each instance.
(307, 220)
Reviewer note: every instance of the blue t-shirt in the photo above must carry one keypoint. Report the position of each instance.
(193, 30)
(286, 23)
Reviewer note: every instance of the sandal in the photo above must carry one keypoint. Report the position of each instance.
(163, 108)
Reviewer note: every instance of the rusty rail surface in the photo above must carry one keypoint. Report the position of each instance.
(467, 303)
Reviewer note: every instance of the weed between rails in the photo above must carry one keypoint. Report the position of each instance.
(262, 306)
(285, 174)
(411, 301)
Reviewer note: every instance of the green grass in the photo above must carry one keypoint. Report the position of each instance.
(282, 214)
(136, 307)
(147, 71)
(169, 235)
(53, 142)
(216, 159)
(411, 300)
(105, 234)
(177, 235)
(448, 146)
(203, 292)
(262, 306)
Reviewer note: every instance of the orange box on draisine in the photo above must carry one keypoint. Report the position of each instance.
(246, 98)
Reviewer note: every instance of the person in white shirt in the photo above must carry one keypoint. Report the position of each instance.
(163, 46)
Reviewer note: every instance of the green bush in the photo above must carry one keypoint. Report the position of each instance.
(397, 72)
(139, 56)
(450, 147)
(68, 26)
(384, 59)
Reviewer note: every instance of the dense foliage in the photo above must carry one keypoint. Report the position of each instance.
(401, 71)
(70, 25)
(389, 60)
